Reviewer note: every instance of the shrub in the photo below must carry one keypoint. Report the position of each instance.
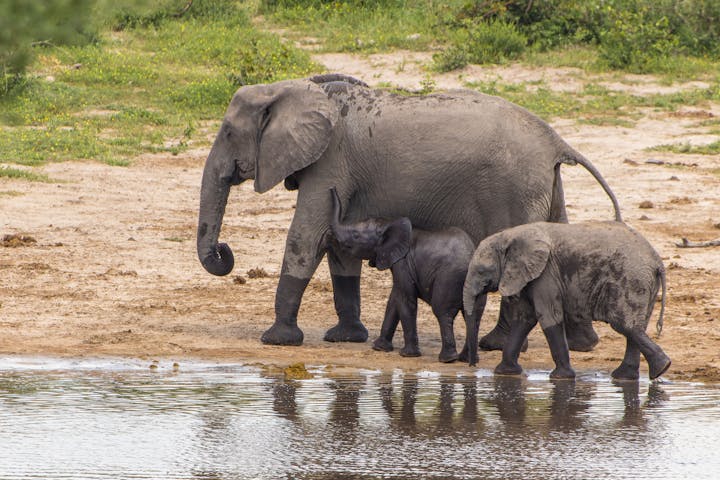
(635, 42)
(50, 22)
(495, 41)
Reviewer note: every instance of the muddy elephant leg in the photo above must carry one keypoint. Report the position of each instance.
(288, 296)
(303, 252)
(496, 338)
(548, 303)
(383, 343)
(581, 336)
(629, 368)
(555, 336)
(345, 274)
(522, 319)
(448, 353)
(407, 308)
(658, 361)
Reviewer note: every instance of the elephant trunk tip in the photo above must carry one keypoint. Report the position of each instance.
(220, 261)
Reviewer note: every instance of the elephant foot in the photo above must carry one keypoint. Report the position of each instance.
(282, 334)
(626, 372)
(562, 373)
(413, 351)
(382, 345)
(347, 332)
(506, 368)
(465, 357)
(448, 356)
(658, 364)
(495, 340)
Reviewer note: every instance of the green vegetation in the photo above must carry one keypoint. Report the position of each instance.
(708, 149)
(9, 172)
(152, 85)
(109, 81)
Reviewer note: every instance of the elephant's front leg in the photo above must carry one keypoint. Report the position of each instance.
(548, 304)
(521, 319)
(303, 252)
(384, 342)
(345, 273)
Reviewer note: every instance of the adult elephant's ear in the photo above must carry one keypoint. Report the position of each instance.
(297, 122)
(526, 256)
(394, 243)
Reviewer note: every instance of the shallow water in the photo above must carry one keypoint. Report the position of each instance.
(120, 420)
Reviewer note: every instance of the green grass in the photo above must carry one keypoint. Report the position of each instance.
(15, 173)
(158, 84)
(687, 148)
(349, 26)
(140, 90)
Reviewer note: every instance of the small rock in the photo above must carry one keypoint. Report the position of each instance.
(630, 162)
(654, 161)
(257, 273)
(240, 280)
(14, 241)
(413, 36)
(674, 179)
(717, 225)
(646, 204)
(644, 217)
(153, 367)
(49, 79)
(297, 371)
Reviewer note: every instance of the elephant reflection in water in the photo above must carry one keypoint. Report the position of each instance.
(441, 419)
(567, 408)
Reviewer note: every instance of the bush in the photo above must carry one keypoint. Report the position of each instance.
(145, 13)
(488, 42)
(635, 42)
(46, 23)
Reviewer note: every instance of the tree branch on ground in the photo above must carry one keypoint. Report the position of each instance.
(688, 244)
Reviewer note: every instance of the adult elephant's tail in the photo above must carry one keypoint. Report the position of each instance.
(661, 276)
(571, 157)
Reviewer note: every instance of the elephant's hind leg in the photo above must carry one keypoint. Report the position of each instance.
(345, 273)
(658, 361)
(629, 368)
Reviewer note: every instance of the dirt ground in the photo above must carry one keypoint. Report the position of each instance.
(108, 264)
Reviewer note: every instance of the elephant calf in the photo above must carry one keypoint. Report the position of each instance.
(428, 265)
(558, 273)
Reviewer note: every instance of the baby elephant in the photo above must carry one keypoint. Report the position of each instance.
(557, 273)
(428, 265)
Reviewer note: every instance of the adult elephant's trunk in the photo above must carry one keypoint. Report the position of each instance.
(216, 258)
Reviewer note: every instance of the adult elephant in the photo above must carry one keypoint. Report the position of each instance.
(460, 158)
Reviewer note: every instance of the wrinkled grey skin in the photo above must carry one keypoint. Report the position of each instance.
(429, 265)
(550, 272)
(459, 159)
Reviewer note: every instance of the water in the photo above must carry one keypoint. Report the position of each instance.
(118, 419)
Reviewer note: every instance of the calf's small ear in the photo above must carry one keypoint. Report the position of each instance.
(525, 259)
(394, 243)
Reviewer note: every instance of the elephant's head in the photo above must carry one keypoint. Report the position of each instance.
(506, 262)
(383, 242)
(268, 133)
